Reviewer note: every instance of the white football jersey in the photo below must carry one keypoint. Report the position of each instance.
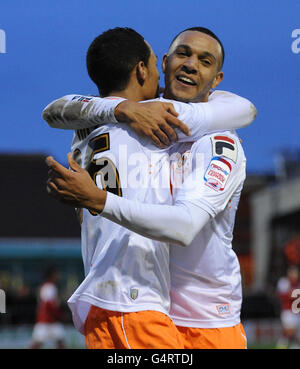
(123, 270)
(126, 271)
(205, 276)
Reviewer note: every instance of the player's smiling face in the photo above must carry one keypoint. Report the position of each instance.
(192, 67)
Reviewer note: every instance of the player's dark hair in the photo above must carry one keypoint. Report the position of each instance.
(207, 32)
(112, 56)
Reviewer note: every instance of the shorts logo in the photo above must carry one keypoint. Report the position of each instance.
(134, 292)
(217, 173)
(223, 309)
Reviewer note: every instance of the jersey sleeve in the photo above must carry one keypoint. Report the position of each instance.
(176, 224)
(77, 111)
(219, 170)
(223, 111)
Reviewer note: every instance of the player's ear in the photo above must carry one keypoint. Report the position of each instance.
(141, 72)
(218, 79)
(164, 63)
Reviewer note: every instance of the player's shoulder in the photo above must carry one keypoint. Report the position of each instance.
(224, 144)
(108, 130)
(180, 106)
(187, 110)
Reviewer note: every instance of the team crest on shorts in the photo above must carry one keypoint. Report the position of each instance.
(134, 292)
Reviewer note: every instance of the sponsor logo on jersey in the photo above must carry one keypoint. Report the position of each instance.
(217, 173)
(82, 98)
(223, 309)
(134, 292)
(224, 146)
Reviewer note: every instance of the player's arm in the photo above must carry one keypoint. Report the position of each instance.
(160, 121)
(177, 224)
(223, 111)
(203, 195)
(195, 203)
(78, 111)
(155, 120)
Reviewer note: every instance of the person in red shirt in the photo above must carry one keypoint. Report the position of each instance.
(290, 319)
(48, 325)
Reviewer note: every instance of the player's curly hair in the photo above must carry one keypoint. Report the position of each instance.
(112, 56)
(207, 32)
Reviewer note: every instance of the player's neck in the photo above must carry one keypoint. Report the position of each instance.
(129, 93)
(200, 99)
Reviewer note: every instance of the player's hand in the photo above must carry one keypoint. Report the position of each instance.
(155, 120)
(74, 187)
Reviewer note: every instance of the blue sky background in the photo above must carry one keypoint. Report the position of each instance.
(47, 41)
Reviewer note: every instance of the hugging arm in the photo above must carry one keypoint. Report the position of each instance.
(178, 223)
(78, 111)
(162, 121)
(194, 204)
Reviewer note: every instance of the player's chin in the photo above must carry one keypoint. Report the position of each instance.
(184, 96)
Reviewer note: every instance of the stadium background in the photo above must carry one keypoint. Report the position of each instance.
(44, 58)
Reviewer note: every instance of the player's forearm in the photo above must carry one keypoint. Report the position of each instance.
(124, 111)
(228, 111)
(77, 112)
(176, 224)
(224, 111)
